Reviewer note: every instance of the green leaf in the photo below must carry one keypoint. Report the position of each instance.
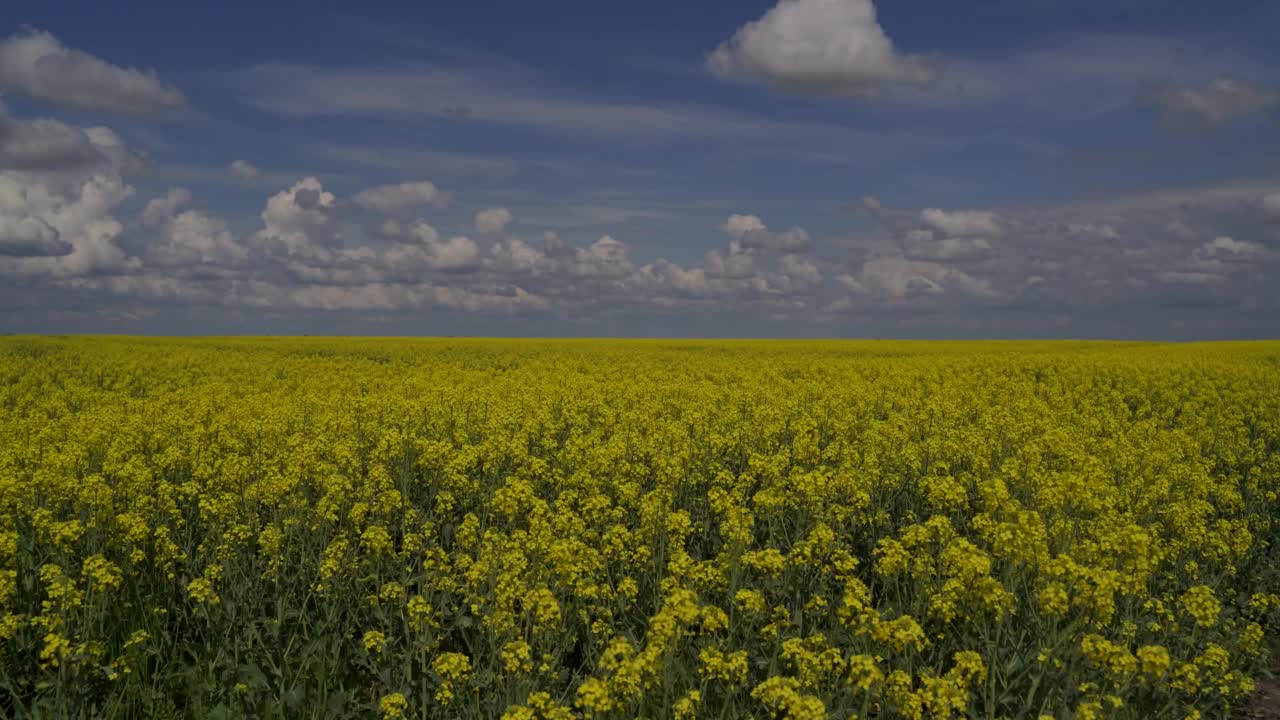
(294, 697)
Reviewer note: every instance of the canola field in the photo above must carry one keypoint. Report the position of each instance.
(440, 528)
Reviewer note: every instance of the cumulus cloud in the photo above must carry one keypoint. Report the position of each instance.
(962, 248)
(1226, 247)
(423, 232)
(832, 47)
(386, 296)
(457, 253)
(734, 262)
(112, 149)
(663, 276)
(30, 237)
(1221, 101)
(739, 225)
(850, 283)
(1222, 256)
(925, 261)
(243, 169)
(394, 198)
(62, 227)
(493, 220)
(194, 238)
(924, 244)
(514, 256)
(160, 210)
(424, 249)
(47, 145)
(792, 240)
(899, 277)
(800, 270)
(552, 243)
(300, 221)
(43, 144)
(750, 232)
(1122, 251)
(188, 238)
(604, 258)
(35, 65)
(960, 223)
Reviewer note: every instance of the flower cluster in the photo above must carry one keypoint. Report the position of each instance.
(560, 530)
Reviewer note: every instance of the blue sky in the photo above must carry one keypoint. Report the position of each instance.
(793, 168)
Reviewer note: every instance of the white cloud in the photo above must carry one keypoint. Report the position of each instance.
(924, 244)
(961, 223)
(851, 283)
(962, 248)
(430, 252)
(514, 256)
(243, 169)
(791, 240)
(664, 275)
(385, 296)
(493, 220)
(1227, 249)
(37, 66)
(81, 213)
(44, 144)
(394, 198)
(1222, 100)
(802, 271)
(552, 243)
(300, 221)
(161, 209)
(735, 262)
(750, 232)
(604, 258)
(194, 238)
(899, 277)
(1114, 251)
(456, 253)
(819, 46)
(424, 232)
(739, 225)
(388, 229)
(188, 238)
(30, 237)
(112, 149)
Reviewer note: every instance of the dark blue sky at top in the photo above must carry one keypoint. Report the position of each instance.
(193, 36)
(1043, 114)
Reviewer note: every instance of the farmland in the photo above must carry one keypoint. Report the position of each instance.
(325, 527)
